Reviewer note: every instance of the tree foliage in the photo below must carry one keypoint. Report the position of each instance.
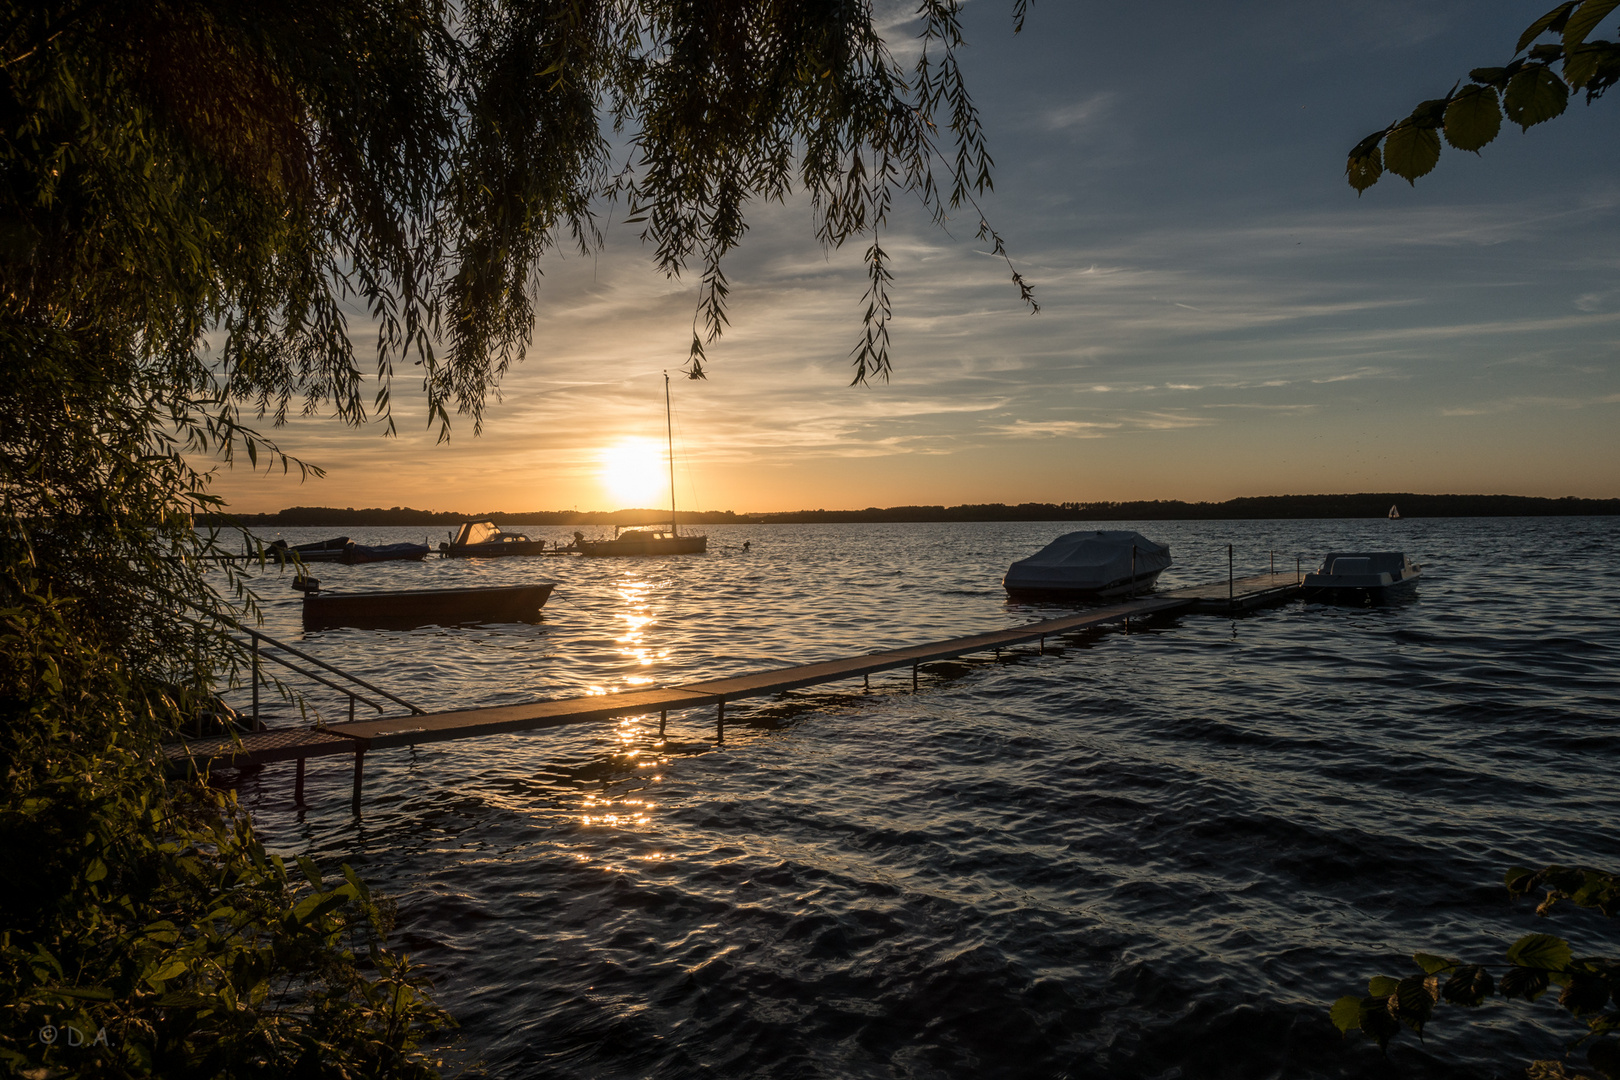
(1589, 985)
(198, 199)
(148, 933)
(1527, 90)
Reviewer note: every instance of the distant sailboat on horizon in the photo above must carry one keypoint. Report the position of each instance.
(1393, 512)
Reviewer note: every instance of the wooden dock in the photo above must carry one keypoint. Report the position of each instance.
(359, 737)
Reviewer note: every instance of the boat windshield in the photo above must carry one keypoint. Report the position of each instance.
(477, 532)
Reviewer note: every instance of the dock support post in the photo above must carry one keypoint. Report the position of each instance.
(351, 708)
(1043, 644)
(298, 785)
(1231, 592)
(359, 774)
(1299, 574)
(255, 683)
(720, 722)
(866, 681)
(1273, 562)
(663, 718)
(913, 678)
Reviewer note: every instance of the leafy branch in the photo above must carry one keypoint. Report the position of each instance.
(1589, 986)
(1527, 91)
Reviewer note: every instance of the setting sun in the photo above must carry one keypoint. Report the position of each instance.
(633, 472)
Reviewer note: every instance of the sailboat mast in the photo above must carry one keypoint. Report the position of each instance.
(669, 431)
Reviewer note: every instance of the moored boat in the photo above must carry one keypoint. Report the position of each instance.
(424, 607)
(318, 551)
(485, 540)
(363, 553)
(649, 541)
(1358, 576)
(643, 542)
(1082, 565)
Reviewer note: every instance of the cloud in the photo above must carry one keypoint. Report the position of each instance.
(1078, 114)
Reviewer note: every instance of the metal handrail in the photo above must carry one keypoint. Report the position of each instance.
(258, 636)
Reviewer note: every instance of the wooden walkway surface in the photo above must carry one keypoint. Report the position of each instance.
(358, 737)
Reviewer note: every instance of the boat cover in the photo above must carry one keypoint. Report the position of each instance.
(1085, 561)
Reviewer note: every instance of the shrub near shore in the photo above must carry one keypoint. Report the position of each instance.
(146, 931)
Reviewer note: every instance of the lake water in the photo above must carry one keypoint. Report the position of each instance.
(1160, 853)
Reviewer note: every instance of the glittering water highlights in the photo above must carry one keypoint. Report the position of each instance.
(1154, 854)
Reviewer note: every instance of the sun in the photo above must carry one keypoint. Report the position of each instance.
(633, 472)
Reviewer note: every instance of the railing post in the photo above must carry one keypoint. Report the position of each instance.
(359, 774)
(1299, 574)
(1274, 561)
(351, 708)
(255, 681)
(298, 785)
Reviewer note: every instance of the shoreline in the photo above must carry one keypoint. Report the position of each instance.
(1264, 508)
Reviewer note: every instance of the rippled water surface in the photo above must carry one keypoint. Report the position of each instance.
(1150, 854)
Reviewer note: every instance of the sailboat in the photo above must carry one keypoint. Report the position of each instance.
(650, 541)
(1394, 513)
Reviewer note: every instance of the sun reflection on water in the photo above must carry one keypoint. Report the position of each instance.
(639, 621)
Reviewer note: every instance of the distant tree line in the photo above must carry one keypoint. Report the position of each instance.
(1269, 507)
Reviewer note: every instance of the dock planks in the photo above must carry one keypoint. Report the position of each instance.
(358, 737)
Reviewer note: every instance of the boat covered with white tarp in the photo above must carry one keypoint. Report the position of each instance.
(1112, 562)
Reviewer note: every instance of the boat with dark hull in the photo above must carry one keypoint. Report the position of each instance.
(1087, 566)
(643, 542)
(485, 540)
(318, 551)
(649, 541)
(364, 553)
(426, 607)
(1358, 577)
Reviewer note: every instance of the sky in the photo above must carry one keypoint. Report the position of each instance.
(1221, 315)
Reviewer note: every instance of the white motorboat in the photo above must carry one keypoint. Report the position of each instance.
(1359, 575)
(1100, 563)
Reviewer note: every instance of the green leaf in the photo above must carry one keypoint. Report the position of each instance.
(1528, 983)
(1519, 880)
(173, 969)
(311, 871)
(1554, 20)
(1346, 1013)
(1541, 951)
(1412, 1003)
(1582, 62)
(1382, 986)
(1585, 20)
(1491, 76)
(1432, 963)
(1473, 118)
(1377, 1021)
(1468, 986)
(1364, 170)
(1535, 95)
(1584, 994)
(1411, 152)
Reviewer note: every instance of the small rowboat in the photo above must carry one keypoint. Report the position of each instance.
(426, 607)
